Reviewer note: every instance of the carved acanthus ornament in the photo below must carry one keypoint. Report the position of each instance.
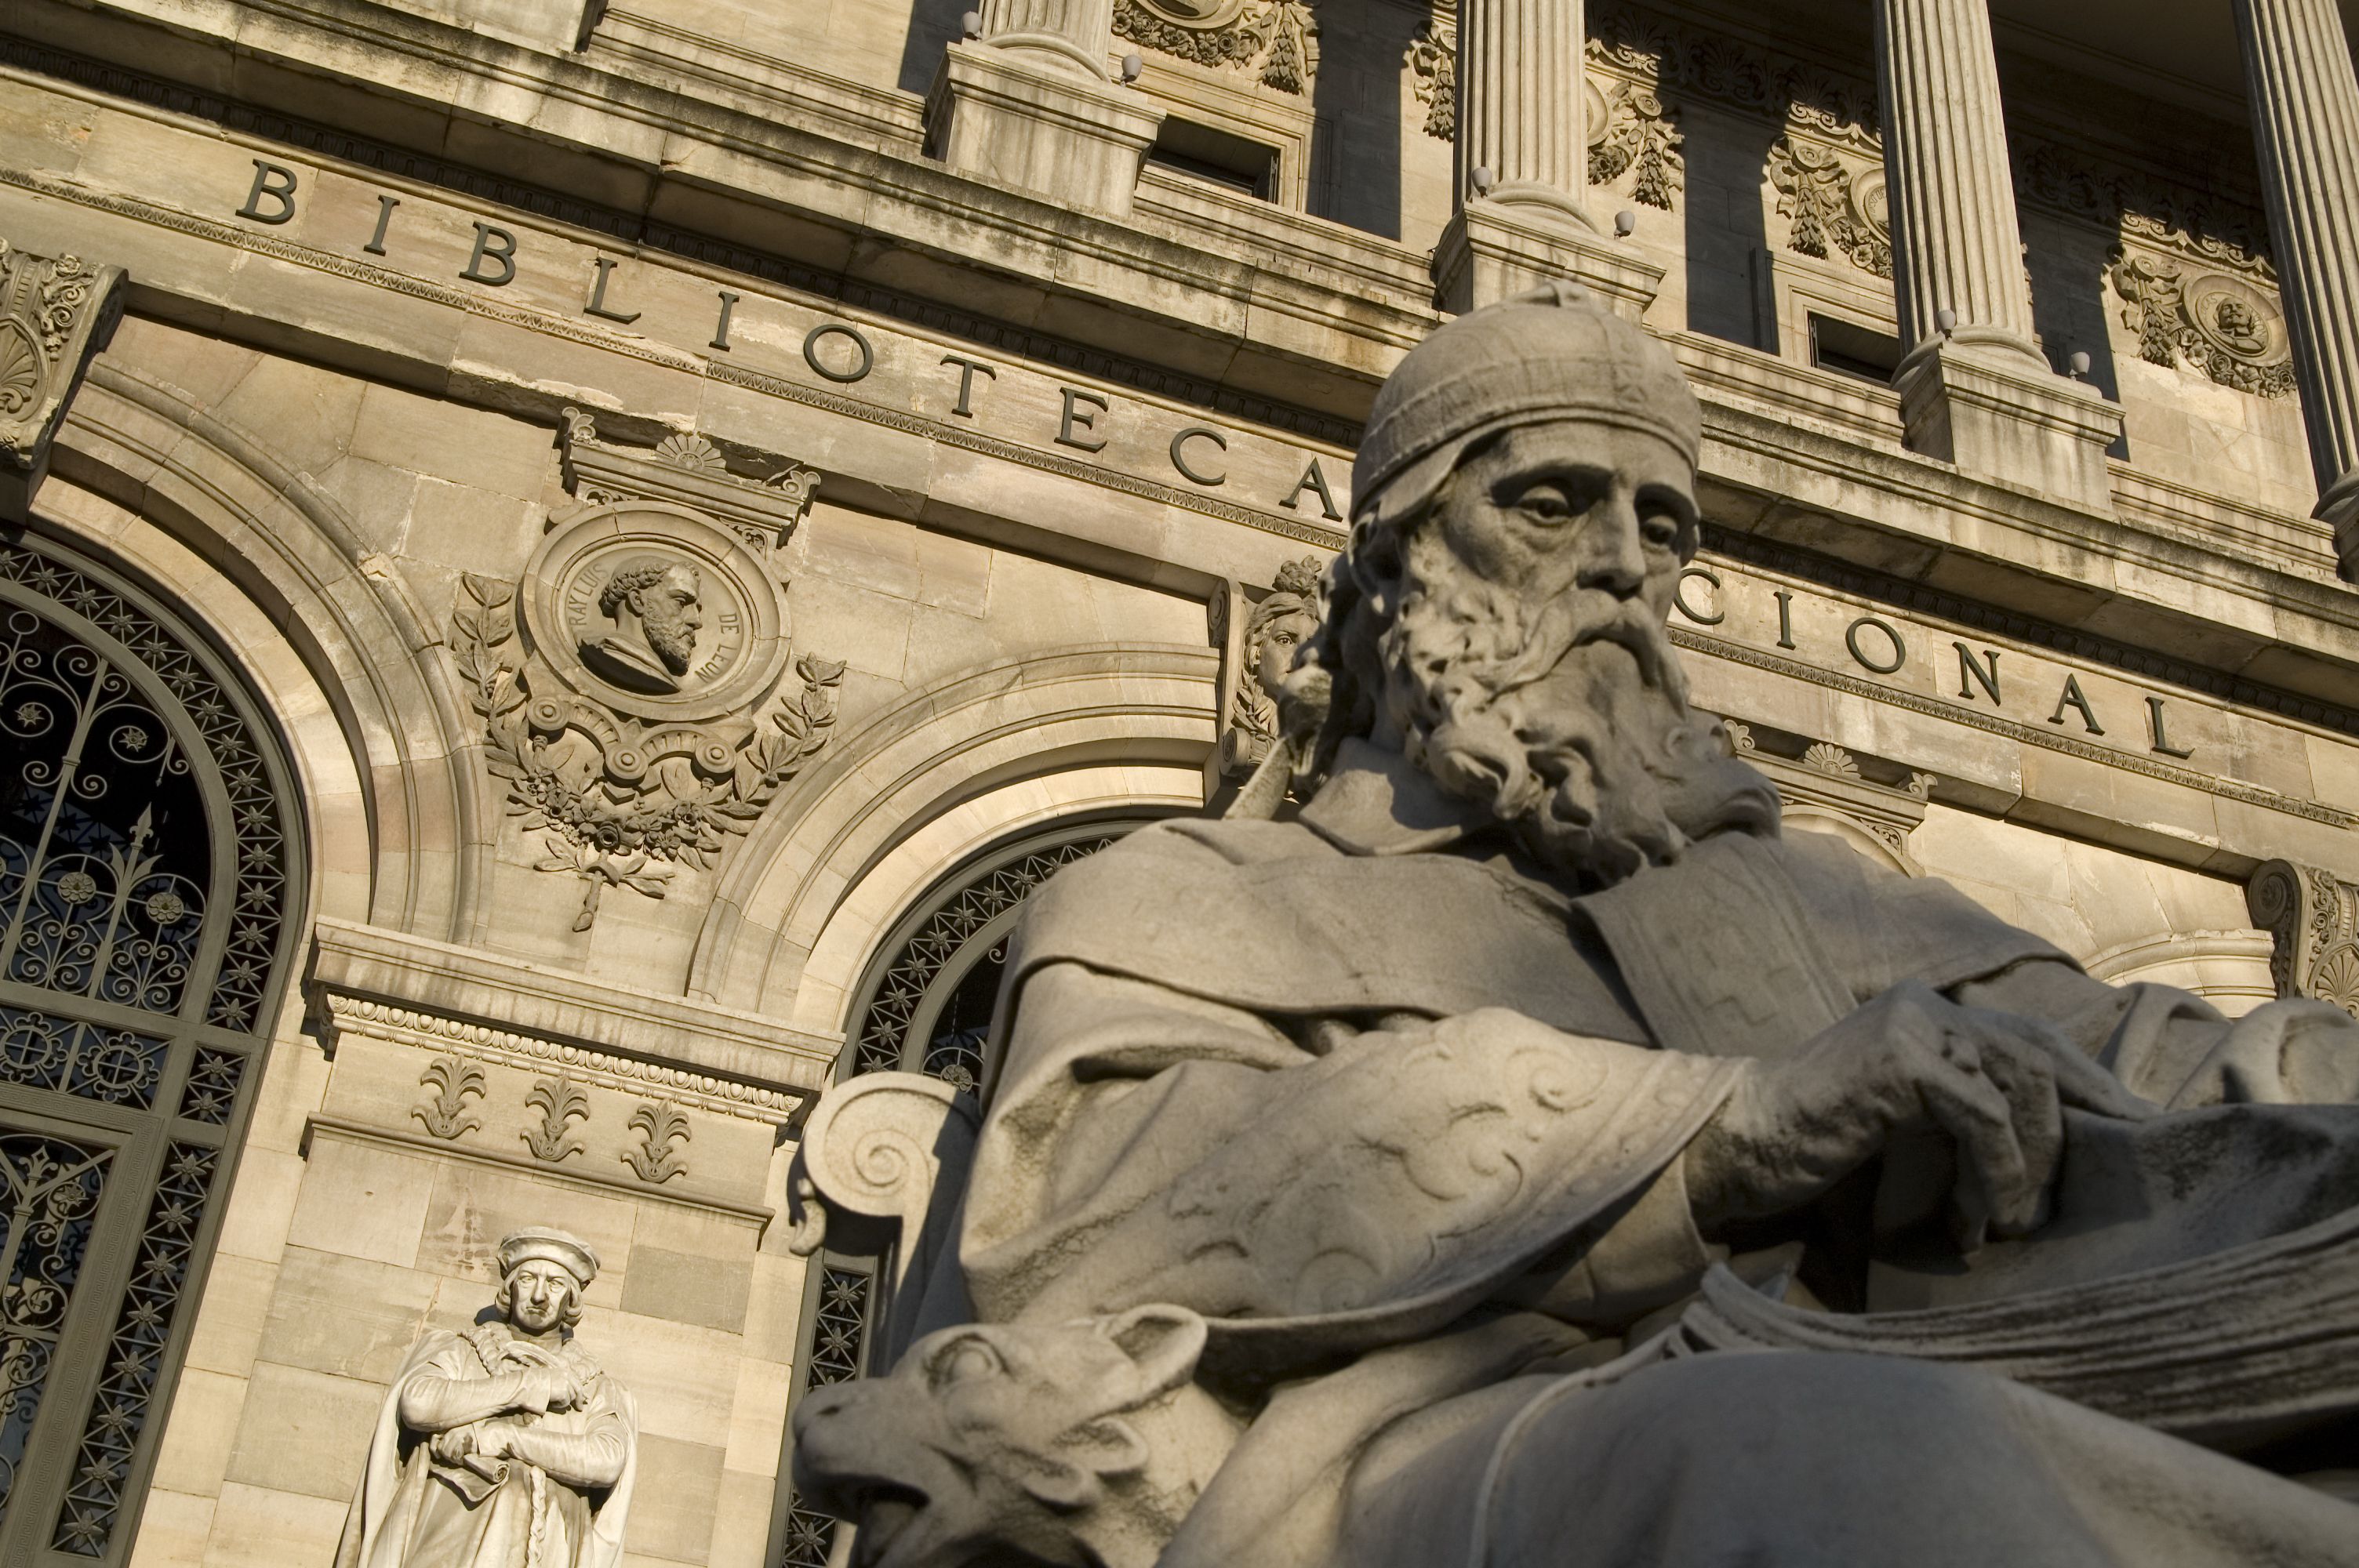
(1279, 39)
(1433, 70)
(2312, 919)
(561, 1102)
(1630, 132)
(55, 313)
(630, 686)
(1834, 201)
(2218, 323)
(2193, 271)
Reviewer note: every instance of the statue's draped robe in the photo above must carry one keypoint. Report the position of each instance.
(411, 1511)
(1245, 1069)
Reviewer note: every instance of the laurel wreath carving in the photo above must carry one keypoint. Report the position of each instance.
(619, 803)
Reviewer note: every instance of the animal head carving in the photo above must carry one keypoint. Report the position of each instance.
(1006, 1444)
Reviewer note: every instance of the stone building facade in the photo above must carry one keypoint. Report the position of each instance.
(568, 564)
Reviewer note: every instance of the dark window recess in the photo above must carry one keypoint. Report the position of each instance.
(1223, 158)
(1854, 350)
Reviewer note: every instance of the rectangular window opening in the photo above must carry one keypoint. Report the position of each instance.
(1854, 350)
(1220, 158)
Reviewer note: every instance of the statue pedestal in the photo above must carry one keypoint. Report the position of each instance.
(995, 114)
(2000, 412)
(1496, 250)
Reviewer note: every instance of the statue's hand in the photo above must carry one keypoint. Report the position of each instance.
(452, 1446)
(1911, 1062)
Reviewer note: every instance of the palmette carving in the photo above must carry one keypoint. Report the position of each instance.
(454, 1082)
(561, 1102)
(663, 1131)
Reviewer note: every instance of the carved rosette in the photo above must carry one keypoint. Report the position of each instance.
(1834, 201)
(2225, 326)
(55, 313)
(2312, 919)
(632, 685)
(1276, 39)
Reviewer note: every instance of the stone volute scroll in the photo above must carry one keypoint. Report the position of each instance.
(56, 313)
(882, 1160)
(639, 692)
(2313, 918)
(505, 1444)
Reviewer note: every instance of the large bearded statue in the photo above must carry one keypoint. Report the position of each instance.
(1528, 1155)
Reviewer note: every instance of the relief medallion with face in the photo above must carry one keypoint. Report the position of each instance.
(655, 611)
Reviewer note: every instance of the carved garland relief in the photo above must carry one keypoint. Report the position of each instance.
(631, 684)
(1278, 40)
(2210, 321)
(1834, 202)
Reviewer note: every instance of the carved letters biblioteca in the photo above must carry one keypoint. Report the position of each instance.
(630, 687)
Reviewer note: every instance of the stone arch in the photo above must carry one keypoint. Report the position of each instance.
(2229, 969)
(931, 779)
(325, 627)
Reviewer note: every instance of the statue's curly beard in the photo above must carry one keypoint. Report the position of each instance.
(1567, 719)
(673, 642)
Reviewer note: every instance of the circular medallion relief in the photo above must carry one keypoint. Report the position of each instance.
(655, 611)
(2235, 318)
(1200, 14)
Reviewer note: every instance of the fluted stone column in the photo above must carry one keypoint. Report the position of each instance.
(1979, 393)
(1066, 33)
(2305, 106)
(1029, 103)
(1523, 164)
(1520, 103)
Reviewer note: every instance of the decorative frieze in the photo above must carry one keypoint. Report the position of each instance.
(2313, 918)
(1276, 39)
(462, 1041)
(630, 684)
(55, 313)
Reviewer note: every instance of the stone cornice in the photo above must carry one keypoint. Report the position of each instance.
(1355, 338)
(441, 995)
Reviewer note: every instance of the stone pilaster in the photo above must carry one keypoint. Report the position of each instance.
(1977, 393)
(1523, 164)
(2305, 106)
(1027, 103)
(55, 313)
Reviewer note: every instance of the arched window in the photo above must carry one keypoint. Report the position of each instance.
(148, 871)
(924, 1006)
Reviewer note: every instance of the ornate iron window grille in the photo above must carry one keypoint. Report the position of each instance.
(925, 1006)
(147, 878)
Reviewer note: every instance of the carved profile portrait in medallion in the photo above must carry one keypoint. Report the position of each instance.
(656, 608)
